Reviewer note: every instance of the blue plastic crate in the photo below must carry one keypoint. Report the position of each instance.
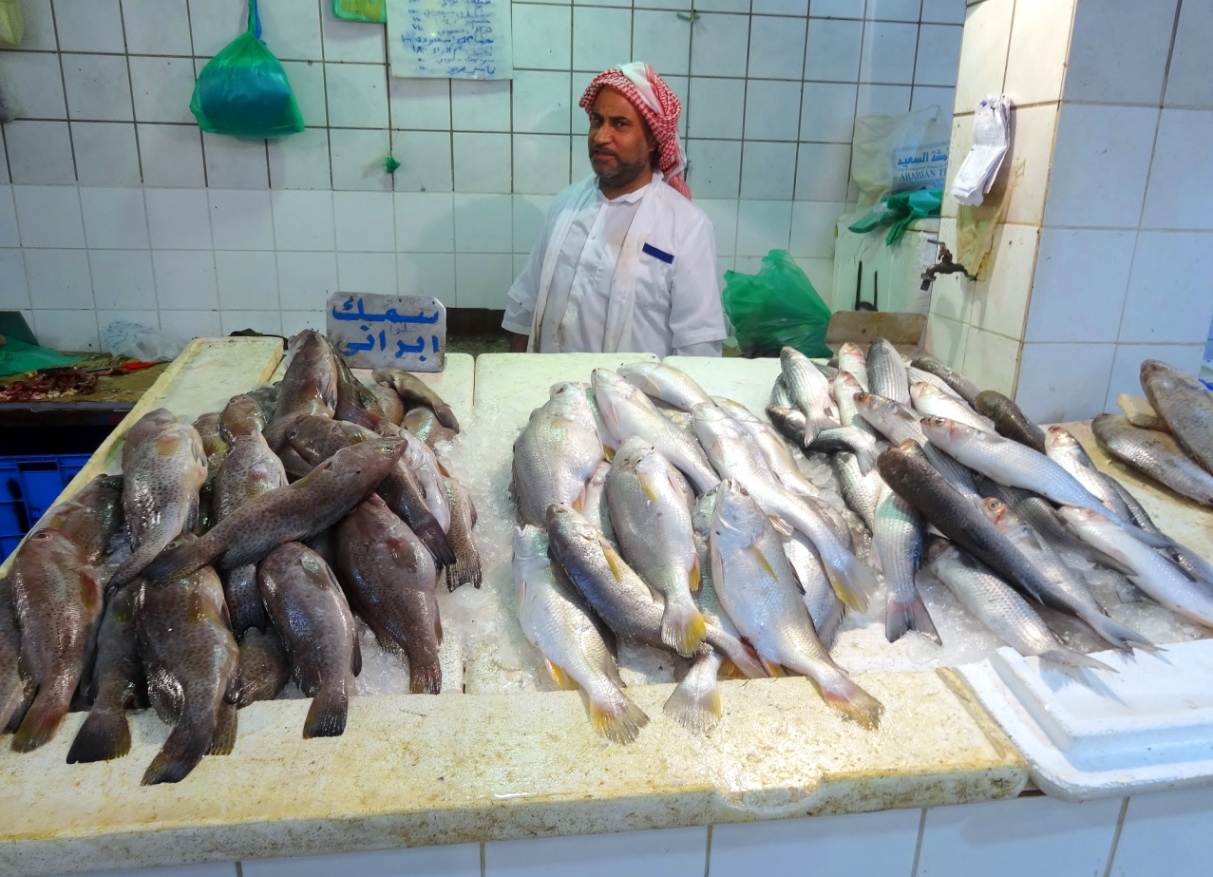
(28, 487)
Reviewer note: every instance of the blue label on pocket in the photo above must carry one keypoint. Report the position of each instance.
(658, 254)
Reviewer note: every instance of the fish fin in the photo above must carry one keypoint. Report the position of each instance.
(327, 714)
(827, 630)
(614, 561)
(186, 744)
(608, 453)
(105, 734)
(852, 582)
(618, 722)
(782, 527)
(729, 670)
(852, 702)
(1121, 637)
(243, 598)
(10, 702)
(563, 680)
(773, 670)
(761, 560)
(225, 730)
(1070, 658)
(649, 486)
(696, 578)
(356, 657)
(425, 677)
(42, 719)
(697, 711)
(682, 628)
(901, 616)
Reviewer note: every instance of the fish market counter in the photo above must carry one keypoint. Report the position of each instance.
(477, 775)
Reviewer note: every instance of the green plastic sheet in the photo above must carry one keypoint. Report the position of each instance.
(17, 357)
(775, 308)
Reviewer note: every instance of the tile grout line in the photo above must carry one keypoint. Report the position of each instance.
(922, 830)
(1120, 824)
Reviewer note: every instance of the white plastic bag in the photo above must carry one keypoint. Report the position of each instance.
(12, 24)
(900, 153)
(123, 338)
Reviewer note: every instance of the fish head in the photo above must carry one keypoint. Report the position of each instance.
(240, 418)
(944, 432)
(846, 383)
(736, 410)
(921, 390)
(737, 521)
(632, 451)
(1059, 438)
(571, 523)
(711, 424)
(996, 512)
(852, 350)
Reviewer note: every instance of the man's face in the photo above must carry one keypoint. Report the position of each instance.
(620, 144)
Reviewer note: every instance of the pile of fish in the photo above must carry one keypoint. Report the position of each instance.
(234, 555)
(1173, 443)
(651, 513)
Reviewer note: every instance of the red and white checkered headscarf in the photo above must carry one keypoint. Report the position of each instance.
(641, 85)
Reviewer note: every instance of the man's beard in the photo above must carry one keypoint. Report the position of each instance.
(625, 172)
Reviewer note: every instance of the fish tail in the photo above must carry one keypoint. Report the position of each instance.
(425, 675)
(695, 701)
(327, 714)
(852, 581)
(619, 720)
(851, 701)
(430, 532)
(832, 620)
(43, 717)
(164, 566)
(682, 627)
(1118, 635)
(1074, 659)
(745, 660)
(244, 604)
(10, 702)
(225, 730)
(902, 615)
(105, 734)
(465, 571)
(186, 744)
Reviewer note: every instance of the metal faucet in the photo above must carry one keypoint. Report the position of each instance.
(945, 265)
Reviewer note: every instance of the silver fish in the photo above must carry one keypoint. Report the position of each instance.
(898, 424)
(887, 373)
(853, 361)
(810, 391)
(898, 539)
(823, 604)
(1156, 454)
(1185, 403)
(929, 400)
(670, 385)
(555, 455)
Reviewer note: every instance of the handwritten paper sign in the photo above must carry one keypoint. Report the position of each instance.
(455, 39)
(371, 331)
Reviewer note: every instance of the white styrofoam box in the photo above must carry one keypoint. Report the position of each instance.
(781, 7)
(357, 156)
(1000, 303)
(294, 322)
(14, 291)
(425, 222)
(1180, 159)
(983, 52)
(1164, 830)
(1188, 80)
(827, 112)
(300, 161)
(106, 154)
(357, 95)
(98, 87)
(232, 163)
(812, 233)
(832, 50)
(678, 852)
(427, 274)
(1036, 57)
(763, 226)
(303, 220)
(265, 322)
(178, 219)
(241, 219)
(946, 339)
(1078, 293)
(462, 860)
(1000, 837)
(215, 24)
(838, 8)
(114, 219)
(938, 54)
(602, 37)
(776, 47)
(991, 360)
(171, 155)
(541, 36)
(159, 86)
(1062, 381)
(529, 218)
(33, 83)
(822, 170)
(67, 330)
(1118, 52)
(425, 160)
(367, 272)
(482, 279)
(715, 107)
(719, 44)
(10, 235)
(307, 82)
(364, 221)
(768, 170)
(191, 324)
(420, 104)
(881, 100)
(888, 52)
(482, 162)
(541, 101)
(351, 41)
(714, 168)
(934, 96)
(39, 28)
(723, 216)
(1126, 366)
(872, 844)
(306, 279)
(291, 30)
(482, 223)
(1168, 300)
(49, 216)
(247, 280)
(479, 105)
(1033, 130)
(185, 279)
(943, 11)
(772, 110)
(662, 39)
(541, 163)
(160, 27)
(39, 152)
(894, 10)
(89, 26)
(123, 279)
(59, 279)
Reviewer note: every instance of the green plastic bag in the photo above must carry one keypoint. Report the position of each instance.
(243, 91)
(17, 357)
(361, 10)
(775, 308)
(899, 210)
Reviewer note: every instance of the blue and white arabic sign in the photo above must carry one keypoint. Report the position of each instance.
(450, 39)
(372, 331)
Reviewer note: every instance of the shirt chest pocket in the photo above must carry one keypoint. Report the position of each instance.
(654, 279)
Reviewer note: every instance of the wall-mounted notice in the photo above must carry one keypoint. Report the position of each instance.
(405, 331)
(456, 39)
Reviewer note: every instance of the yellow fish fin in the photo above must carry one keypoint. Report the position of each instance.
(563, 680)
